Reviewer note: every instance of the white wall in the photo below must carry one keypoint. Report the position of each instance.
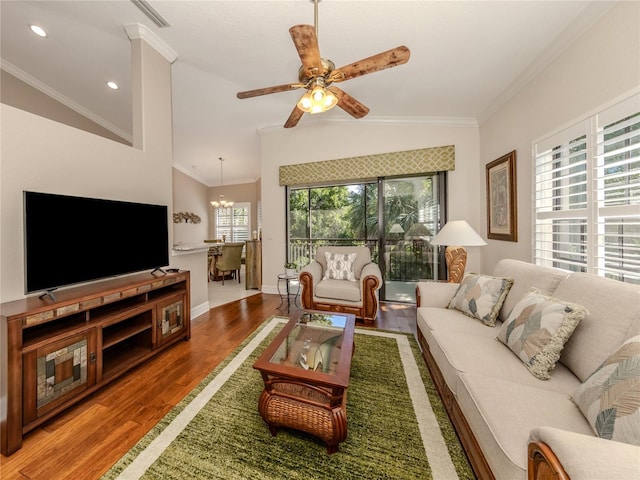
(42, 155)
(598, 68)
(351, 139)
(189, 195)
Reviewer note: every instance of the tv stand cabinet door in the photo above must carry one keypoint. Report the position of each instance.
(172, 320)
(56, 373)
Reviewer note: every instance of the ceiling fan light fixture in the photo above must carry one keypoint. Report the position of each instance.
(317, 73)
(318, 100)
(317, 94)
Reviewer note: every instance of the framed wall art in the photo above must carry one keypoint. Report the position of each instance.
(502, 215)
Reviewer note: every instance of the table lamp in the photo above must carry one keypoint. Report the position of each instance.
(456, 235)
(396, 228)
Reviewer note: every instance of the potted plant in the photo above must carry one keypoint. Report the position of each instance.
(290, 269)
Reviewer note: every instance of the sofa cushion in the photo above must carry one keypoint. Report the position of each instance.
(339, 266)
(610, 398)
(338, 290)
(537, 329)
(481, 296)
(363, 257)
(434, 318)
(614, 308)
(457, 353)
(526, 276)
(502, 413)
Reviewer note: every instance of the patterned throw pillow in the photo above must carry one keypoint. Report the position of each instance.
(340, 266)
(610, 397)
(537, 329)
(481, 296)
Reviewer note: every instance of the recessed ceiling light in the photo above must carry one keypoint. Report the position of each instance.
(38, 30)
(112, 85)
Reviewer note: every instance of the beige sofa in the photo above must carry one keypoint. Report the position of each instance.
(512, 424)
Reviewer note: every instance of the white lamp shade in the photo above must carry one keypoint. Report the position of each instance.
(396, 228)
(458, 233)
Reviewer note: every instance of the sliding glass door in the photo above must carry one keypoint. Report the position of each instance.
(410, 214)
(395, 218)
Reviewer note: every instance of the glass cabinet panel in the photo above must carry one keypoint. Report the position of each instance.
(171, 320)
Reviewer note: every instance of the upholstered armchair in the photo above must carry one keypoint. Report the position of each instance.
(342, 285)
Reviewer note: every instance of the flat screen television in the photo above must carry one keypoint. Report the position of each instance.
(70, 240)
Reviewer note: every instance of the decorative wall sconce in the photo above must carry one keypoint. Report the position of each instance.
(186, 217)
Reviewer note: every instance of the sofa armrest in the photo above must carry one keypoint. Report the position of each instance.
(435, 293)
(371, 270)
(314, 269)
(561, 454)
(309, 277)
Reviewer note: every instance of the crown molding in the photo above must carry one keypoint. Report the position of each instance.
(67, 102)
(199, 179)
(190, 173)
(138, 31)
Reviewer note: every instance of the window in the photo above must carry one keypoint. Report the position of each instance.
(394, 217)
(587, 195)
(232, 223)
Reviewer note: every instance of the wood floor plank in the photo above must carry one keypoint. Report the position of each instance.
(84, 441)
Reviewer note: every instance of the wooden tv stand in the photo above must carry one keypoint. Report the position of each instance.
(54, 353)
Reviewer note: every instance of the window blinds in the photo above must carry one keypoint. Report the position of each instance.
(617, 197)
(587, 195)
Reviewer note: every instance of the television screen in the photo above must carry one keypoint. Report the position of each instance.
(71, 239)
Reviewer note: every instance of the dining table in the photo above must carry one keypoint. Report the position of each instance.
(215, 252)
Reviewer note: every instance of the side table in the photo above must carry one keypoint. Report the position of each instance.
(285, 283)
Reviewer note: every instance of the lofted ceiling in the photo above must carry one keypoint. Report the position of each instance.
(467, 57)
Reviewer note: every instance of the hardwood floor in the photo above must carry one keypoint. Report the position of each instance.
(84, 441)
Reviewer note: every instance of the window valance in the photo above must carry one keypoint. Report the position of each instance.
(409, 162)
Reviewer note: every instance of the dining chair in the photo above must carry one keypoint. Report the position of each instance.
(230, 260)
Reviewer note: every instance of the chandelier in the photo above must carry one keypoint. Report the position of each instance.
(221, 202)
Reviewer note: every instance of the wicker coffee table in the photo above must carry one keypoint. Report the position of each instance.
(306, 372)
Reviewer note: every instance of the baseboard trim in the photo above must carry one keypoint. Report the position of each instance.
(200, 309)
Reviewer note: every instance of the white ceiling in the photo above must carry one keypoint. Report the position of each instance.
(466, 58)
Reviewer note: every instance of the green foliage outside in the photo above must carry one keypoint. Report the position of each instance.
(348, 215)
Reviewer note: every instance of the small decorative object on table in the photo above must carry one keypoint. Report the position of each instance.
(290, 269)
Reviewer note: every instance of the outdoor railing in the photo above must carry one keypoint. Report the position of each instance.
(402, 261)
(302, 250)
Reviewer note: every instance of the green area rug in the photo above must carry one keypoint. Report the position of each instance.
(398, 428)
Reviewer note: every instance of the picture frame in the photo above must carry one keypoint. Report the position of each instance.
(502, 214)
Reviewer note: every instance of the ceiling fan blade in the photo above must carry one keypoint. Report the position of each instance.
(349, 104)
(268, 90)
(306, 42)
(390, 58)
(294, 118)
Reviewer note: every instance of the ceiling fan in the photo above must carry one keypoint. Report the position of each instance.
(317, 75)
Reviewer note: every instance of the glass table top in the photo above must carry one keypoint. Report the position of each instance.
(314, 343)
